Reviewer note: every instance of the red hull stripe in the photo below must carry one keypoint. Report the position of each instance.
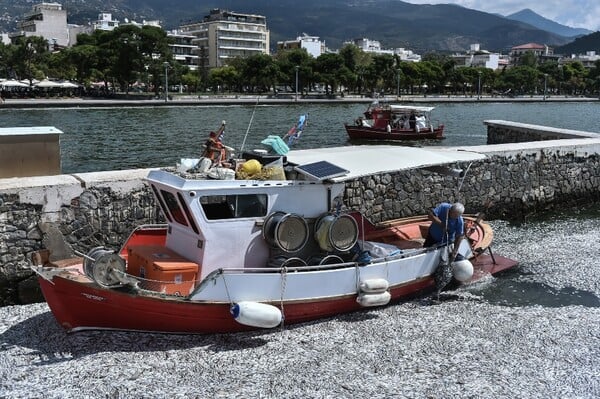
(79, 306)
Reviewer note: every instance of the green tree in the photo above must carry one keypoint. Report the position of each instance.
(327, 67)
(594, 76)
(520, 79)
(529, 59)
(192, 80)
(6, 57)
(288, 60)
(261, 73)
(30, 58)
(224, 78)
(59, 66)
(84, 60)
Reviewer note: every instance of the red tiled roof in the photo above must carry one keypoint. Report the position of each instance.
(529, 46)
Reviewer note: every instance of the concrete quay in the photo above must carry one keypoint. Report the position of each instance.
(188, 100)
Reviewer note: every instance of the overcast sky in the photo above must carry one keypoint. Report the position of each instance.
(573, 13)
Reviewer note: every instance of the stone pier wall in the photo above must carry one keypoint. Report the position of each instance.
(500, 132)
(78, 212)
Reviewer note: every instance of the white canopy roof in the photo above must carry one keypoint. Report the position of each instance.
(47, 84)
(372, 159)
(409, 108)
(13, 83)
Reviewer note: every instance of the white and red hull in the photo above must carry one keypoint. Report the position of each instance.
(238, 254)
(78, 303)
(79, 306)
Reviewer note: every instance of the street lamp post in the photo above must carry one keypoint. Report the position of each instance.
(545, 85)
(297, 67)
(398, 83)
(478, 85)
(166, 65)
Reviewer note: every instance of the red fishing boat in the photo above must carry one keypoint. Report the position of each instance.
(249, 253)
(395, 122)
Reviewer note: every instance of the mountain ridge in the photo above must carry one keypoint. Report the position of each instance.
(395, 23)
(530, 17)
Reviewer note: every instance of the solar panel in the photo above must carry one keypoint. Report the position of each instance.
(321, 170)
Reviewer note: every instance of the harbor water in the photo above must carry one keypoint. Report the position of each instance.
(97, 139)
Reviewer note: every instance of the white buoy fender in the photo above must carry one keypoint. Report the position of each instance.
(462, 270)
(374, 285)
(256, 314)
(380, 299)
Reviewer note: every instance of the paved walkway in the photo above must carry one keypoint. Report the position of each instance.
(284, 99)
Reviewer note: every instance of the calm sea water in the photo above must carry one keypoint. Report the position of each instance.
(123, 138)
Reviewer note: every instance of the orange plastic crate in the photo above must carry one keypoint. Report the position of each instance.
(165, 270)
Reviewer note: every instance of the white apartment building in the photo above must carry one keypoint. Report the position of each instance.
(105, 22)
(225, 35)
(374, 46)
(476, 57)
(588, 60)
(184, 49)
(48, 20)
(311, 44)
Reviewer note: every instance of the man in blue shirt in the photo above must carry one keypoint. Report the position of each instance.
(447, 225)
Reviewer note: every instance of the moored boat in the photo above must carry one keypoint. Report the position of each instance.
(244, 254)
(395, 122)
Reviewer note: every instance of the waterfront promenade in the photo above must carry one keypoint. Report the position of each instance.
(191, 100)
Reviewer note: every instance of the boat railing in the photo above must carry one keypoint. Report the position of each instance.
(145, 230)
(212, 276)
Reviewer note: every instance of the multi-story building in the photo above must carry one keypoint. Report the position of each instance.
(105, 22)
(541, 51)
(224, 35)
(476, 57)
(374, 46)
(184, 49)
(311, 44)
(588, 60)
(48, 20)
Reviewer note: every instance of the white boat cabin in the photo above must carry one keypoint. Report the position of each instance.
(223, 223)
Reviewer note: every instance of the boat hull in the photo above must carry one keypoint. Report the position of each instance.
(79, 306)
(370, 133)
(300, 294)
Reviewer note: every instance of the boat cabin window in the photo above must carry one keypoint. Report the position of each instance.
(174, 208)
(188, 213)
(163, 207)
(234, 206)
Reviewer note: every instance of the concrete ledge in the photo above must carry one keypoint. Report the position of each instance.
(54, 192)
(578, 147)
(500, 131)
(120, 181)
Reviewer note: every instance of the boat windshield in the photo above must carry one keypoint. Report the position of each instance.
(234, 206)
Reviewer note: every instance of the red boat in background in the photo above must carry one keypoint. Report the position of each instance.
(395, 122)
